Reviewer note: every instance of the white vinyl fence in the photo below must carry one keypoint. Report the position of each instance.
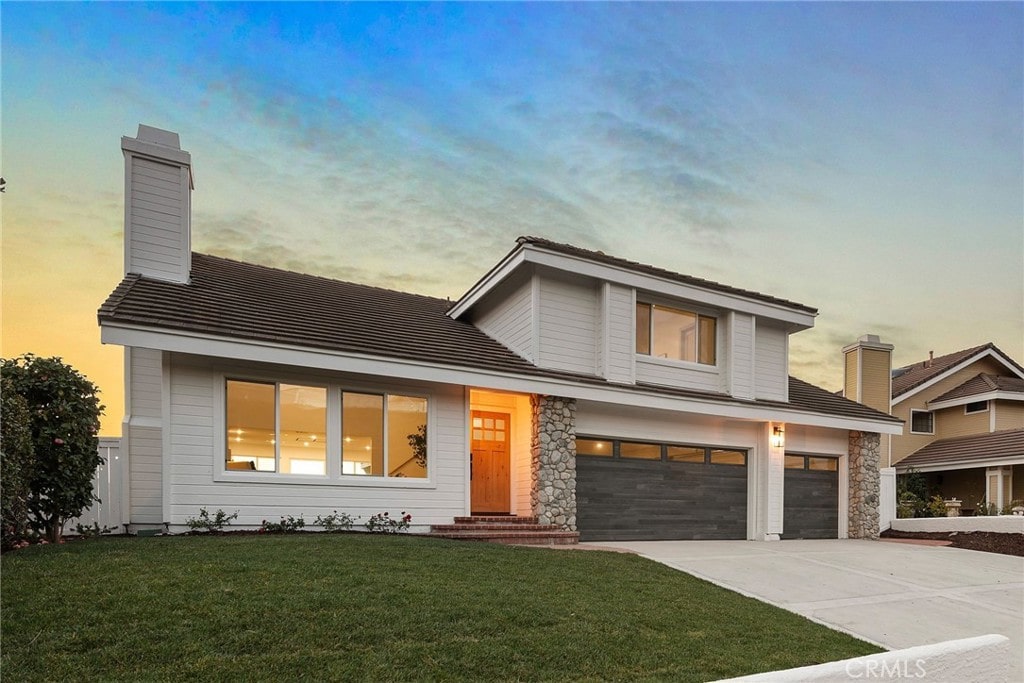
(108, 486)
(886, 497)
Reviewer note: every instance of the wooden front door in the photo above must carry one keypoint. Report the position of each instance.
(490, 486)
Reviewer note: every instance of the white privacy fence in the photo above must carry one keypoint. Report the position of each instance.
(886, 497)
(108, 486)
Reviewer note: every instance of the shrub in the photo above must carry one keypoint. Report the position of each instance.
(936, 507)
(94, 531)
(64, 418)
(206, 524)
(287, 525)
(16, 459)
(335, 522)
(383, 523)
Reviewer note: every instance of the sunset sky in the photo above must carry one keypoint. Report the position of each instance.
(862, 158)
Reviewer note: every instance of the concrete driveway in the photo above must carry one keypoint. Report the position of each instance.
(893, 594)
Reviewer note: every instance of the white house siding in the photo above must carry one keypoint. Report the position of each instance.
(740, 355)
(144, 435)
(507, 316)
(158, 216)
(625, 422)
(771, 379)
(617, 332)
(567, 338)
(195, 453)
(674, 374)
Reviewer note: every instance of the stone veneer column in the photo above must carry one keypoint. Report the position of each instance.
(864, 484)
(553, 461)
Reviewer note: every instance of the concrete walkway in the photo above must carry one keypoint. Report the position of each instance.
(895, 595)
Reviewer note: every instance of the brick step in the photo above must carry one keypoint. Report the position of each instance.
(494, 526)
(502, 519)
(514, 537)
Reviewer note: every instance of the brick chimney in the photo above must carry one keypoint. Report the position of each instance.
(868, 372)
(157, 205)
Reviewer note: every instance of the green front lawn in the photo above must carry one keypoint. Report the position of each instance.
(369, 607)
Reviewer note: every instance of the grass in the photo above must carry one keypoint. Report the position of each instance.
(369, 607)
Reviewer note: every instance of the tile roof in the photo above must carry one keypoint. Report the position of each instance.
(601, 257)
(982, 383)
(911, 376)
(245, 301)
(989, 447)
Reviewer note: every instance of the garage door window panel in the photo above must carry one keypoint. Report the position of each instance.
(721, 456)
(640, 451)
(597, 447)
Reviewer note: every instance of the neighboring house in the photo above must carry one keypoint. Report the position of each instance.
(605, 396)
(964, 415)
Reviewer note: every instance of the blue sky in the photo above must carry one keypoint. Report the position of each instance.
(863, 158)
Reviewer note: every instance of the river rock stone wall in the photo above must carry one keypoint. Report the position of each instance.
(864, 484)
(553, 455)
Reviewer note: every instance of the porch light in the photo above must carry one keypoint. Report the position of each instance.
(778, 437)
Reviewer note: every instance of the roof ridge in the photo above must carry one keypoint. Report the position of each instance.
(661, 272)
(931, 362)
(293, 273)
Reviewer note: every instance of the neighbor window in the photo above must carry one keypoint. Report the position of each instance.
(279, 427)
(274, 427)
(922, 422)
(976, 407)
(675, 334)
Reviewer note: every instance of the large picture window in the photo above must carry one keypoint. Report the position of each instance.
(282, 428)
(273, 427)
(675, 334)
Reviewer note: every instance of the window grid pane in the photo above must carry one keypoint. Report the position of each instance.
(643, 329)
(722, 456)
(362, 423)
(251, 426)
(642, 451)
(686, 454)
(593, 447)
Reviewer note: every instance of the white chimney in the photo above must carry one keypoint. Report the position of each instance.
(157, 205)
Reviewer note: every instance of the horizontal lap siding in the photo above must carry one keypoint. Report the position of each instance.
(157, 206)
(145, 445)
(568, 325)
(194, 451)
(770, 371)
(741, 355)
(508, 318)
(624, 499)
(653, 372)
(811, 504)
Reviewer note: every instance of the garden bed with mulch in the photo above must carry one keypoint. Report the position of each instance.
(987, 541)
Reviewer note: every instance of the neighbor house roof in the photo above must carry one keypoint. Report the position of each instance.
(909, 377)
(601, 257)
(980, 384)
(244, 301)
(975, 450)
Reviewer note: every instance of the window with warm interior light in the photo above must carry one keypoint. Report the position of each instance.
(675, 334)
(922, 422)
(659, 452)
(594, 447)
(275, 427)
(282, 428)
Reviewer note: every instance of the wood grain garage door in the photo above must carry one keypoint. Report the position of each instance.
(663, 492)
(811, 497)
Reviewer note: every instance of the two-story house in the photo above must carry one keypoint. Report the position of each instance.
(603, 396)
(964, 413)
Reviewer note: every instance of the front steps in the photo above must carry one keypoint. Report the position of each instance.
(507, 529)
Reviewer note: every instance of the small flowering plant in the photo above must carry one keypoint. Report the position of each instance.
(383, 523)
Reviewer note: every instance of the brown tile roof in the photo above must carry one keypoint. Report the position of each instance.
(911, 376)
(601, 257)
(983, 383)
(244, 301)
(961, 450)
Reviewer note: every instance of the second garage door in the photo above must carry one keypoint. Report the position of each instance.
(810, 506)
(628, 490)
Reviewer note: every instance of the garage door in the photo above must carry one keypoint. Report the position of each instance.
(811, 497)
(629, 490)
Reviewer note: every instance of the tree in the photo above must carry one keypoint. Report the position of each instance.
(64, 418)
(16, 459)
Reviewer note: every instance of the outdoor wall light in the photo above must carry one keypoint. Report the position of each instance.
(778, 437)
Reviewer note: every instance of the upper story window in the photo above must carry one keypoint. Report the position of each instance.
(675, 334)
(976, 407)
(922, 422)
